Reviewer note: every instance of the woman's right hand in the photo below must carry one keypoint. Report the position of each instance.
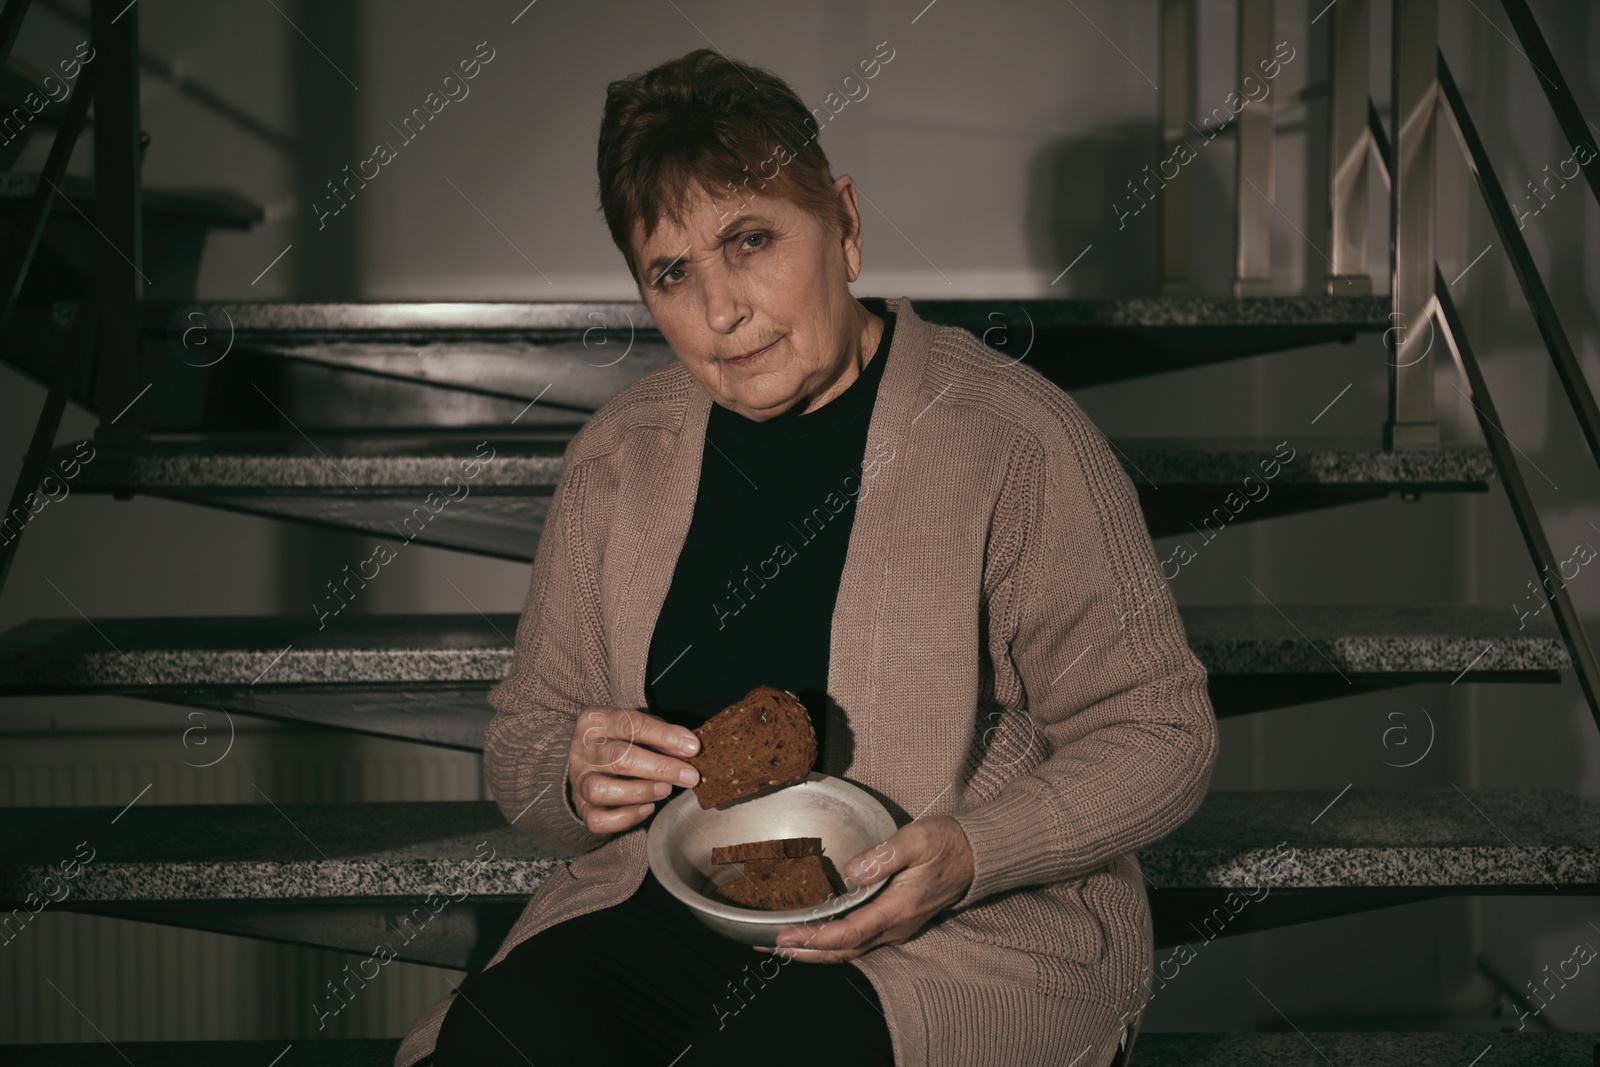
(621, 762)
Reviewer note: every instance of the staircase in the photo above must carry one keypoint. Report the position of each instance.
(348, 416)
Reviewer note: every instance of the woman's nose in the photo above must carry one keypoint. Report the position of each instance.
(725, 307)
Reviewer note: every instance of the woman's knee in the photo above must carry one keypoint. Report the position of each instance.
(526, 1007)
(791, 1000)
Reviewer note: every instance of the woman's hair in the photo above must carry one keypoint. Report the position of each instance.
(704, 119)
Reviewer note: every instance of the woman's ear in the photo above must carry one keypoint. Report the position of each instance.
(850, 239)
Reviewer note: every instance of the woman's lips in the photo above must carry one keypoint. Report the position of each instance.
(745, 361)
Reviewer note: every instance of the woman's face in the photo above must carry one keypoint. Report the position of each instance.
(764, 279)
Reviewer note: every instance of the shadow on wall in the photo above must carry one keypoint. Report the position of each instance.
(326, 261)
(1106, 192)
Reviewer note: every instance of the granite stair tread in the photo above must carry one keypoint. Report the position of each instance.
(426, 318)
(1452, 639)
(270, 853)
(324, 647)
(481, 491)
(490, 486)
(1223, 462)
(380, 459)
(1151, 1049)
(1381, 1049)
(319, 647)
(301, 1052)
(426, 677)
(1503, 840)
(71, 654)
(432, 363)
(498, 460)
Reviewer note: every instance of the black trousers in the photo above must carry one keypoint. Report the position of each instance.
(646, 984)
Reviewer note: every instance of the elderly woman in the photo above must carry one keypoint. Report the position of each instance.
(931, 546)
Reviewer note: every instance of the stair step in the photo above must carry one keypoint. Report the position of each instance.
(466, 490)
(426, 677)
(303, 1052)
(271, 852)
(360, 364)
(342, 875)
(376, 459)
(1196, 488)
(1265, 657)
(1138, 315)
(1075, 342)
(1414, 838)
(374, 481)
(366, 462)
(1384, 1049)
(174, 225)
(211, 208)
(1151, 1049)
(1083, 342)
(1436, 839)
(415, 677)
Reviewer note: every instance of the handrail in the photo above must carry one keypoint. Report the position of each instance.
(10, 25)
(1583, 659)
(1446, 318)
(1448, 321)
(44, 194)
(1555, 86)
(37, 457)
(1539, 302)
(34, 464)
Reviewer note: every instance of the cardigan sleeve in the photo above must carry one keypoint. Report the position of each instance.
(1097, 643)
(557, 669)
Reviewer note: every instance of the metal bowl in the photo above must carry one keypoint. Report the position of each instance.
(847, 818)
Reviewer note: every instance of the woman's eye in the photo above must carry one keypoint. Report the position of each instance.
(758, 237)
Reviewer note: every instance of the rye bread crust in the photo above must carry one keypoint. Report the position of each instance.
(775, 849)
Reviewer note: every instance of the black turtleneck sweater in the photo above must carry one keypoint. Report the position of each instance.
(752, 597)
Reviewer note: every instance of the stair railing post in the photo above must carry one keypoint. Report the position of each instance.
(117, 273)
(1253, 188)
(1349, 144)
(36, 461)
(11, 17)
(1178, 41)
(1415, 93)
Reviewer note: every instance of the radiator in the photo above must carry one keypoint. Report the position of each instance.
(67, 976)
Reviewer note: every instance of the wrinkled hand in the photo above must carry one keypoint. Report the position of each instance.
(931, 865)
(621, 762)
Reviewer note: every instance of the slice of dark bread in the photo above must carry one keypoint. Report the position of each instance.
(776, 849)
(778, 884)
(762, 740)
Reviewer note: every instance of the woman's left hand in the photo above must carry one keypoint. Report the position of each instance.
(931, 867)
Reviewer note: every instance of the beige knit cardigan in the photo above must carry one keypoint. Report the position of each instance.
(1002, 651)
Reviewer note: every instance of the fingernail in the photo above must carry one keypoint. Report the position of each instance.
(689, 745)
(662, 789)
(688, 776)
